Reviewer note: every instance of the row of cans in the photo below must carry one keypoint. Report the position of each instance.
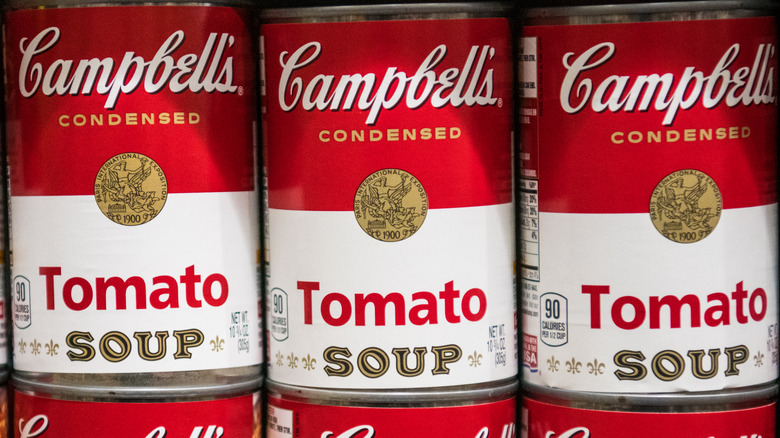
(298, 412)
(647, 227)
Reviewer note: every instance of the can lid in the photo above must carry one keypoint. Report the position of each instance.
(30, 4)
(317, 3)
(419, 397)
(366, 10)
(726, 399)
(565, 8)
(47, 386)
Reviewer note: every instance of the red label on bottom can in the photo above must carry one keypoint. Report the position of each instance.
(543, 420)
(46, 417)
(287, 419)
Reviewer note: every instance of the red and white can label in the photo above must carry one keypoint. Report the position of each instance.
(389, 203)
(288, 419)
(543, 420)
(134, 224)
(649, 234)
(36, 416)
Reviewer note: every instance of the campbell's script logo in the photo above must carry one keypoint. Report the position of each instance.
(577, 432)
(667, 92)
(39, 424)
(211, 71)
(35, 427)
(365, 431)
(471, 85)
(583, 432)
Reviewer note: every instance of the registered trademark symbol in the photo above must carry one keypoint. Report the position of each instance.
(241, 91)
(500, 102)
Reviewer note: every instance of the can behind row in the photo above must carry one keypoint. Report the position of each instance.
(649, 207)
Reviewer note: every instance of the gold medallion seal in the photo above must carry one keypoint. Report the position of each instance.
(686, 206)
(390, 205)
(131, 189)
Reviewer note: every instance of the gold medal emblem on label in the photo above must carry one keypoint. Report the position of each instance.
(131, 189)
(391, 205)
(686, 206)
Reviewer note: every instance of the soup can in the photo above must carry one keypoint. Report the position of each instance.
(387, 131)
(649, 200)
(134, 225)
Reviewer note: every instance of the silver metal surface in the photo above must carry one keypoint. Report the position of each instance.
(421, 11)
(713, 401)
(454, 396)
(644, 12)
(92, 389)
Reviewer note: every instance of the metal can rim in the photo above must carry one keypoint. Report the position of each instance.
(631, 401)
(12, 5)
(649, 8)
(372, 12)
(419, 397)
(127, 393)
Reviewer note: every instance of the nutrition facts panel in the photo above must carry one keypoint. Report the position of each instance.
(529, 229)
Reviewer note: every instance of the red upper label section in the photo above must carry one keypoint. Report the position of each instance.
(179, 89)
(343, 100)
(44, 417)
(610, 110)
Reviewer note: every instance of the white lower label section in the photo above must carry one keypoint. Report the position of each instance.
(349, 311)
(620, 308)
(177, 293)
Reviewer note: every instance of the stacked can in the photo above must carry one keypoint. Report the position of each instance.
(388, 142)
(134, 219)
(649, 257)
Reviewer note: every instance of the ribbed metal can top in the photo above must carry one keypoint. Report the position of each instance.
(30, 4)
(646, 11)
(368, 11)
